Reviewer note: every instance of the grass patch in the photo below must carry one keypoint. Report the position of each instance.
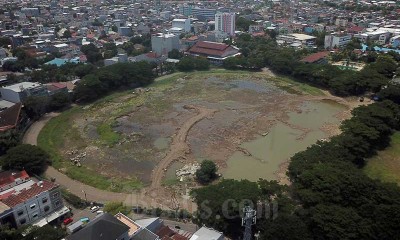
(386, 165)
(74, 200)
(295, 87)
(170, 182)
(52, 136)
(107, 134)
(93, 178)
(51, 139)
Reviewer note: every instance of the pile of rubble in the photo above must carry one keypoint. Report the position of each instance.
(188, 169)
(77, 159)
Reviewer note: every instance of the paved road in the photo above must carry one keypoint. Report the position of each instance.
(75, 187)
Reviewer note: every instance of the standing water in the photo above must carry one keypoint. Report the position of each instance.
(282, 142)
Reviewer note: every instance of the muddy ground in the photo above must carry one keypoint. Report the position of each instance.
(141, 125)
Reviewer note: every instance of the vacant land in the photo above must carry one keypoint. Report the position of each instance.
(128, 139)
(386, 165)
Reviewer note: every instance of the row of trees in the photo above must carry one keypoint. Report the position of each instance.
(103, 80)
(261, 52)
(189, 63)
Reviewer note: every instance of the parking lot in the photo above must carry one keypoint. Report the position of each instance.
(82, 213)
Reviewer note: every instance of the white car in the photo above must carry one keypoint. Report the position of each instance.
(94, 209)
(99, 212)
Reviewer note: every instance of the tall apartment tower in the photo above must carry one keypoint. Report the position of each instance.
(158, 5)
(225, 22)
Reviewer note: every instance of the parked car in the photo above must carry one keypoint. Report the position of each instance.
(68, 221)
(94, 209)
(99, 212)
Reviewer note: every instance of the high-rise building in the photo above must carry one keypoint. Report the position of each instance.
(225, 23)
(162, 43)
(200, 13)
(184, 24)
(158, 4)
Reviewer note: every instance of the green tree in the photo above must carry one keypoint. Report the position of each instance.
(36, 106)
(8, 233)
(31, 158)
(67, 34)
(46, 232)
(385, 65)
(392, 92)
(285, 226)
(59, 100)
(9, 139)
(5, 42)
(230, 63)
(84, 69)
(335, 222)
(92, 53)
(175, 54)
(202, 64)
(207, 172)
(111, 50)
(116, 207)
(186, 64)
(89, 88)
(243, 24)
(215, 211)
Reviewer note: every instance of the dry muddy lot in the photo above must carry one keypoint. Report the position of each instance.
(248, 123)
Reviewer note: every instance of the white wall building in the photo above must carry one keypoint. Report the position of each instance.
(18, 92)
(336, 41)
(225, 22)
(162, 43)
(181, 23)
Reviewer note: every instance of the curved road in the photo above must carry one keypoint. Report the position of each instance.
(75, 187)
(179, 148)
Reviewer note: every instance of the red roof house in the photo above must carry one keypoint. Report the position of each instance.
(9, 117)
(319, 57)
(213, 50)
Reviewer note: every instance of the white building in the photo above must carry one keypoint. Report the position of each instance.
(206, 234)
(341, 22)
(162, 43)
(120, 58)
(165, 15)
(18, 92)
(181, 23)
(225, 22)
(296, 40)
(24, 201)
(336, 40)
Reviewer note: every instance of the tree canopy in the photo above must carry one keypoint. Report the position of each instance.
(207, 172)
(31, 158)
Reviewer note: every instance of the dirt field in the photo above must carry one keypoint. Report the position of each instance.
(186, 117)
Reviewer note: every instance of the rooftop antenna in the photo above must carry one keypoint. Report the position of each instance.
(248, 220)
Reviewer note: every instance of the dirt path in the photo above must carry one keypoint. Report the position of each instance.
(179, 147)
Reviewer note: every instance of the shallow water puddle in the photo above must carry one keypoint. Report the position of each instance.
(261, 157)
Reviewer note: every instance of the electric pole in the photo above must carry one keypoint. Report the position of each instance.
(248, 220)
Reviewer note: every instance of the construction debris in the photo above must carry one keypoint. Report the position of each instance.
(188, 169)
